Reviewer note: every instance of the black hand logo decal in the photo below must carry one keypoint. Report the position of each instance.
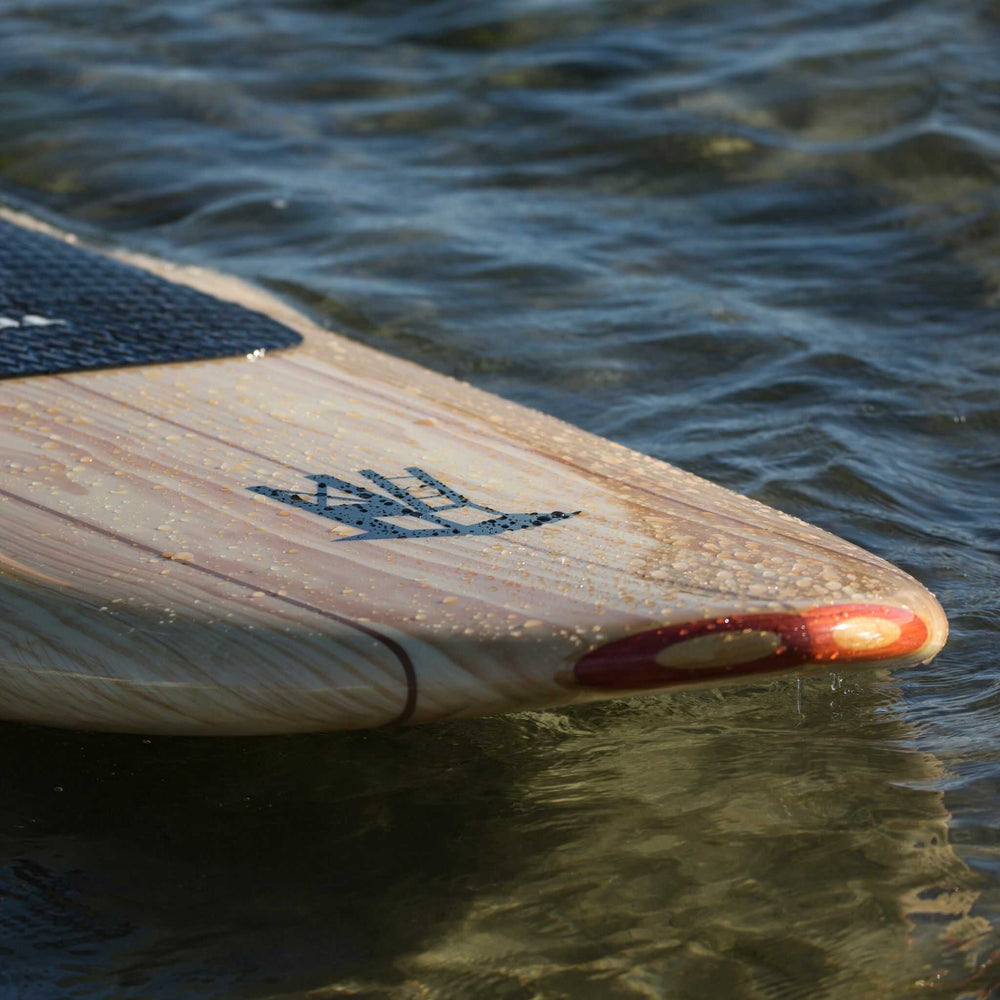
(425, 499)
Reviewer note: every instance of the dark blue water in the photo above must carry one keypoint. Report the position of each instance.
(760, 241)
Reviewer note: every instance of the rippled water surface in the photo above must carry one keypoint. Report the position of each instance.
(758, 240)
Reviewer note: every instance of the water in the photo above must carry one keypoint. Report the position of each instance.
(757, 240)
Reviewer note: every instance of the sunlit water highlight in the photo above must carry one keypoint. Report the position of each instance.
(756, 240)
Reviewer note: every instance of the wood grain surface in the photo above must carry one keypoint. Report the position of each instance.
(168, 564)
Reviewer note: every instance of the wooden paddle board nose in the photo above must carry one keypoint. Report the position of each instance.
(714, 650)
(218, 518)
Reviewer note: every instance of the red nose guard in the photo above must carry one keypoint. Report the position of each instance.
(677, 654)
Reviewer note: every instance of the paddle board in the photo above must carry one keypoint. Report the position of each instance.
(219, 518)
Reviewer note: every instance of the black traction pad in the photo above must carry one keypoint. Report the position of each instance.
(64, 308)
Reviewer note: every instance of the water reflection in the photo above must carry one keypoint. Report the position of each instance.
(712, 844)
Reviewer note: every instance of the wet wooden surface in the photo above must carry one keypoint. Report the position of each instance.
(329, 537)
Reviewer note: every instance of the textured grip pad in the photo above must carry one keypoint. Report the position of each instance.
(64, 308)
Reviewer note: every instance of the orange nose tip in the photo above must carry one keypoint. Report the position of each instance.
(742, 645)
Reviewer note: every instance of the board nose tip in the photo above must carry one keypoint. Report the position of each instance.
(908, 628)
